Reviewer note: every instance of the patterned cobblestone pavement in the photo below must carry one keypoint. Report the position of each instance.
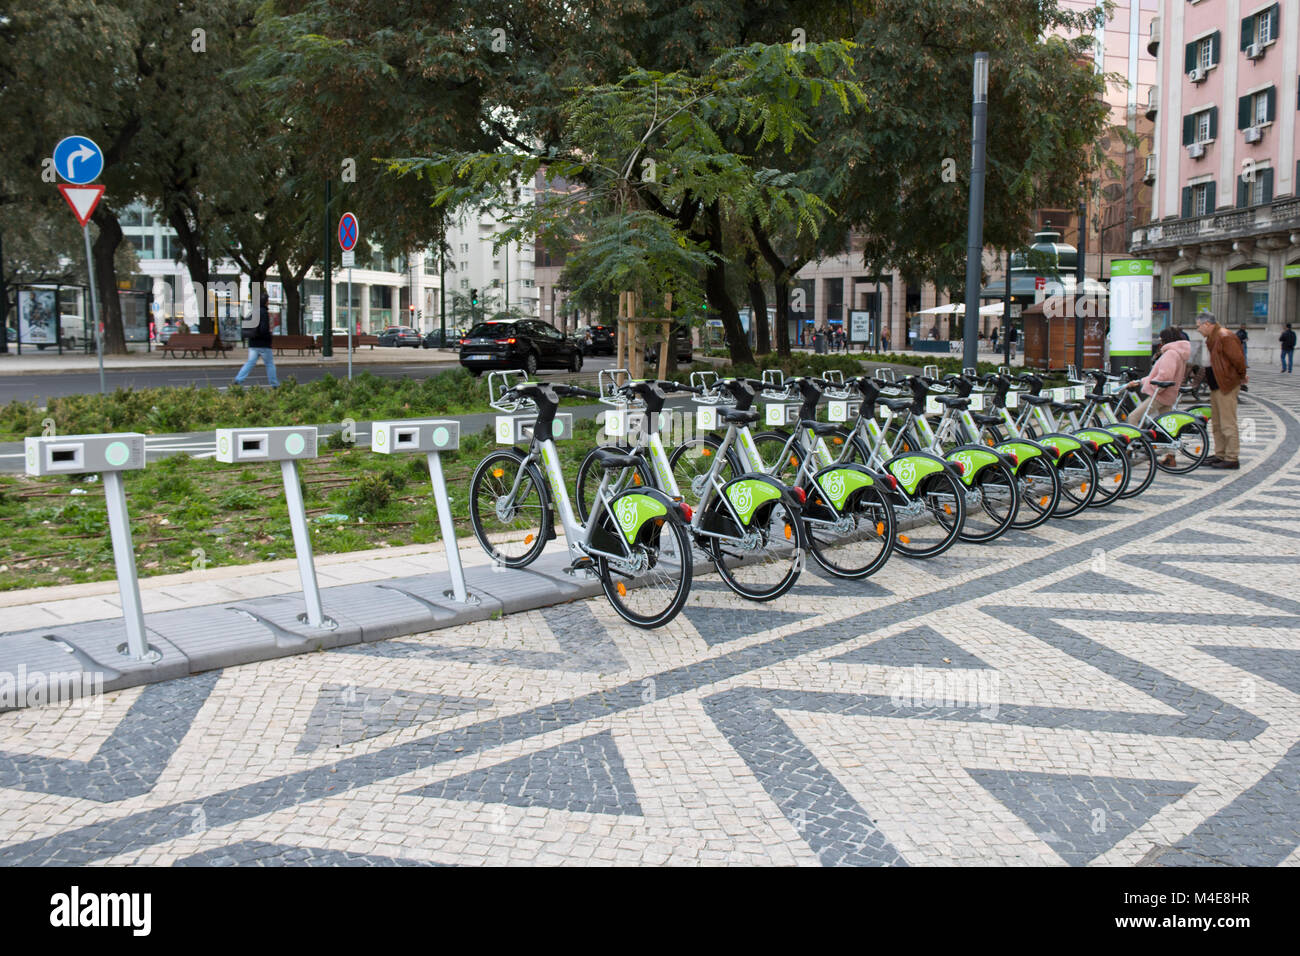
(1117, 689)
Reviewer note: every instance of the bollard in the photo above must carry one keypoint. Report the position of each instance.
(108, 455)
(432, 437)
(285, 445)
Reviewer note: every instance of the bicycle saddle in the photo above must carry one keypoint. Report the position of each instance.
(738, 416)
(897, 404)
(1035, 399)
(824, 429)
(954, 401)
(611, 459)
(981, 419)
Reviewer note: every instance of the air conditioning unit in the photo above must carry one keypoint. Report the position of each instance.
(1253, 134)
(1150, 175)
(1197, 75)
(1254, 51)
(1196, 150)
(1153, 101)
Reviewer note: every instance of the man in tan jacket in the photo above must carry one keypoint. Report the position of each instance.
(1225, 374)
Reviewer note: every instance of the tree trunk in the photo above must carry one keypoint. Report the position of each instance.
(782, 315)
(757, 302)
(102, 252)
(196, 262)
(291, 316)
(715, 290)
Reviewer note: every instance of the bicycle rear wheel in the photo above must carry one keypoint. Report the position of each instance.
(765, 560)
(932, 522)
(1040, 492)
(1112, 475)
(649, 588)
(1078, 483)
(1142, 467)
(996, 501)
(861, 542)
(1193, 448)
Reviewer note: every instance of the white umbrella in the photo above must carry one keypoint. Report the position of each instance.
(948, 309)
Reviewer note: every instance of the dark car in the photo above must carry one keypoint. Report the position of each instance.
(396, 336)
(528, 344)
(681, 346)
(599, 339)
(433, 339)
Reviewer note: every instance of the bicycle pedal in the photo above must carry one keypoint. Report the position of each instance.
(582, 564)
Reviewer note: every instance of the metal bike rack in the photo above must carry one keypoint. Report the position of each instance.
(238, 446)
(432, 437)
(109, 456)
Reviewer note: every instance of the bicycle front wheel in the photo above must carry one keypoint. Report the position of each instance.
(1193, 443)
(691, 462)
(934, 518)
(649, 587)
(591, 471)
(1078, 483)
(1141, 465)
(509, 509)
(1040, 491)
(1112, 475)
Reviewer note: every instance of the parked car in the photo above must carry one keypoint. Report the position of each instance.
(528, 344)
(396, 336)
(681, 341)
(433, 339)
(598, 339)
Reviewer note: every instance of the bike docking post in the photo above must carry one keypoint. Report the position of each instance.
(285, 445)
(109, 456)
(432, 437)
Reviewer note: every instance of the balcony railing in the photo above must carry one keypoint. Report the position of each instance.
(1227, 225)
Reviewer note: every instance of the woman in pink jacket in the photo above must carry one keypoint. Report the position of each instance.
(1170, 366)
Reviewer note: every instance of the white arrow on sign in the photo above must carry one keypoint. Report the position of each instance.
(82, 199)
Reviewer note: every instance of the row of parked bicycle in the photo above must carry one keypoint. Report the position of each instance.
(909, 465)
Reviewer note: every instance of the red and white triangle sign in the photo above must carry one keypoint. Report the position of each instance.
(82, 199)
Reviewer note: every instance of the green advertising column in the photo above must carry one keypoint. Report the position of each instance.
(1130, 314)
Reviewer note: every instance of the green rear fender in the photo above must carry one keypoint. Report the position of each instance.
(1023, 450)
(839, 482)
(634, 509)
(1064, 444)
(1099, 435)
(1175, 422)
(912, 467)
(973, 459)
(749, 494)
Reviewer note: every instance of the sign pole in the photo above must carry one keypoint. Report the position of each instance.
(94, 308)
(975, 217)
(350, 322)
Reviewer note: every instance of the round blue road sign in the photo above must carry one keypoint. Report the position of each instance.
(348, 231)
(78, 160)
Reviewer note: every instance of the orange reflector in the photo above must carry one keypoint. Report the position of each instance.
(622, 589)
(1083, 488)
(880, 527)
(528, 540)
(706, 452)
(1042, 502)
(794, 462)
(636, 479)
(497, 472)
(1117, 479)
(837, 441)
(789, 532)
(904, 539)
(947, 509)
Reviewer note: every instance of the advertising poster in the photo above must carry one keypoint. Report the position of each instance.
(1130, 312)
(38, 317)
(859, 327)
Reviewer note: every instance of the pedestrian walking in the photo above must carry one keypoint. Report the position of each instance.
(884, 340)
(1242, 337)
(1287, 339)
(1170, 366)
(995, 340)
(259, 345)
(1225, 373)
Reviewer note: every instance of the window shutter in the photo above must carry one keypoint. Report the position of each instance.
(1243, 192)
(1274, 13)
(1209, 198)
(1214, 122)
(1271, 96)
(1189, 58)
(1187, 202)
(1247, 32)
(1243, 112)
(1268, 184)
(1189, 130)
(1214, 48)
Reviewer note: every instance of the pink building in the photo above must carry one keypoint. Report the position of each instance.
(1225, 211)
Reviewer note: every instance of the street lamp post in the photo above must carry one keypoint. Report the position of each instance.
(975, 217)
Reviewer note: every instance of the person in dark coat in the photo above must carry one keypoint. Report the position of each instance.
(259, 344)
(1287, 340)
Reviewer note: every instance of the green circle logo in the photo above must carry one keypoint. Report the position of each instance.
(225, 444)
(381, 436)
(294, 444)
(440, 436)
(117, 454)
(559, 427)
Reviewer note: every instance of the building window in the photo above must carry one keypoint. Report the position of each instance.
(1202, 54)
(496, 263)
(1261, 28)
(464, 267)
(1201, 200)
(1203, 127)
(464, 283)
(1261, 109)
(143, 246)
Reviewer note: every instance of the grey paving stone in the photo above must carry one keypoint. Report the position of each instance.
(717, 625)
(1080, 817)
(921, 645)
(1278, 665)
(586, 775)
(257, 853)
(345, 714)
(130, 761)
(1196, 536)
(1090, 582)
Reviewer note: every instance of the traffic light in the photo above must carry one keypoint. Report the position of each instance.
(473, 296)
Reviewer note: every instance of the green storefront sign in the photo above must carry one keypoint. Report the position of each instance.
(1191, 279)
(1257, 274)
(1291, 272)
